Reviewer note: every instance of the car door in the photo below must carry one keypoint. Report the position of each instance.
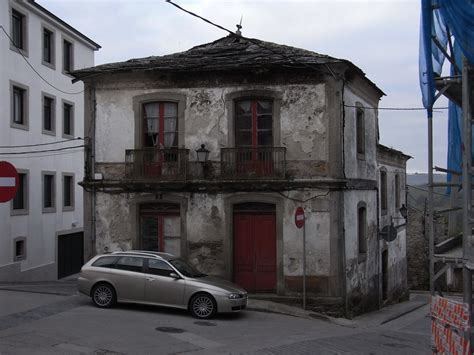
(129, 279)
(160, 287)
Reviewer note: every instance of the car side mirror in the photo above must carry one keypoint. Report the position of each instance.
(174, 275)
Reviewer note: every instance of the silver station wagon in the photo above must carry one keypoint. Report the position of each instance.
(157, 279)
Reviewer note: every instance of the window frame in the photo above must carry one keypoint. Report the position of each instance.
(51, 64)
(360, 132)
(138, 104)
(383, 191)
(397, 191)
(362, 229)
(17, 257)
(72, 118)
(70, 66)
(24, 31)
(25, 210)
(25, 105)
(72, 194)
(254, 129)
(52, 208)
(161, 122)
(275, 96)
(44, 97)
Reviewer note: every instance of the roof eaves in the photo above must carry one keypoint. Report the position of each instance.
(65, 24)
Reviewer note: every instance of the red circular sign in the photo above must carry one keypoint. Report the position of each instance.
(8, 181)
(299, 217)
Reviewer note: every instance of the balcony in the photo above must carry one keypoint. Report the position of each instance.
(156, 164)
(253, 163)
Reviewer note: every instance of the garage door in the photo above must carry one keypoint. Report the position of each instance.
(70, 254)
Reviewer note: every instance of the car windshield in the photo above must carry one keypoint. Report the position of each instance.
(186, 269)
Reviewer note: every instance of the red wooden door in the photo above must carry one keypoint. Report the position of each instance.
(255, 252)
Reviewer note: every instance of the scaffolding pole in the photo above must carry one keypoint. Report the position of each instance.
(466, 186)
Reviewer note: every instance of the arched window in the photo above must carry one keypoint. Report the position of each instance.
(397, 192)
(360, 131)
(362, 227)
(383, 191)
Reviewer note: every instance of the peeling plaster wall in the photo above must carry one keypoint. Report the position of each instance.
(303, 121)
(362, 270)
(208, 240)
(355, 167)
(397, 253)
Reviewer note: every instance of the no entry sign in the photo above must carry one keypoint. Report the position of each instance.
(299, 217)
(8, 181)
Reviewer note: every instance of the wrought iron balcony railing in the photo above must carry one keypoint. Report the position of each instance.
(156, 164)
(253, 163)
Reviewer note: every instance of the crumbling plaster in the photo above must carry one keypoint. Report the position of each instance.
(303, 121)
(358, 167)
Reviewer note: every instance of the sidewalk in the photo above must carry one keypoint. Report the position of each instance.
(68, 287)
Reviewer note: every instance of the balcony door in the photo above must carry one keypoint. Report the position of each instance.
(160, 227)
(254, 136)
(160, 131)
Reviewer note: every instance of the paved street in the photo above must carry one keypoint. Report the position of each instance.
(38, 319)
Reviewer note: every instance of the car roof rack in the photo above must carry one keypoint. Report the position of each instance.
(164, 256)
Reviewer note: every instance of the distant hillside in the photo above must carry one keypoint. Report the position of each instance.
(418, 179)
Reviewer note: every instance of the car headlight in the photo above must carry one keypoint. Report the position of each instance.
(234, 296)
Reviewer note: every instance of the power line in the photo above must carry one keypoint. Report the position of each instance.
(417, 188)
(251, 40)
(44, 151)
(397, 108)
(39, 144)
(33, 68)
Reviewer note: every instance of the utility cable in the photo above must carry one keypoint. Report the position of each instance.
(44, 151)
(417, 188)
(39, 144)
(397, 108)
(301, 201)
(33, 68)
(257, 43)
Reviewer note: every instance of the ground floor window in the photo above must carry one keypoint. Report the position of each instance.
(160, 227)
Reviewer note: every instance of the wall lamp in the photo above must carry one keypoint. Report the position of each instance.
(403, 211)
(202, 154)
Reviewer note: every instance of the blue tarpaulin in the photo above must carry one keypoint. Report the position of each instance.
(437, 17)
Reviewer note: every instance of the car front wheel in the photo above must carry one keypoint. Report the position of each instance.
(104, 296)
(203, 306)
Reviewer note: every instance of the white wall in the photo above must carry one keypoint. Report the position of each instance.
(40, 229)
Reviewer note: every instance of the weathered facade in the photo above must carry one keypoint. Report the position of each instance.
(284, 128)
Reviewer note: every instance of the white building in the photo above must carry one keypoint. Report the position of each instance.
(41, 230)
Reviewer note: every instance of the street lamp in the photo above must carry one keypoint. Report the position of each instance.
(202, 154)
(403, 211)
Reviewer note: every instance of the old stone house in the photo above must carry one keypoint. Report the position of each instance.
(284, 127)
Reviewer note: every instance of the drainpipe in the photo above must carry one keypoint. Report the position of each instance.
(92, 152)
(343, 232)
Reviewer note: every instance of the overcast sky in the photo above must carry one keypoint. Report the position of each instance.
(380, 37)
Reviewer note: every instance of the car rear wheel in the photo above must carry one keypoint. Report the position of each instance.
(203, 306)
(104, 296)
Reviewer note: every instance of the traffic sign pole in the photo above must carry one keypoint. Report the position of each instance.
(304, 264)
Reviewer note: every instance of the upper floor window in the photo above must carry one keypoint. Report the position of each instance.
(397, 192)
(253, 123)
(360, 131)
(383, 191)
(160, 124)
(68, 192)
(48, 114)
(48, 47)
(19, 94)
(20, 201)
(68, 56)
(49, 196)
(18, 106)
(362, 228)
(18, 29)
(68, 119)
